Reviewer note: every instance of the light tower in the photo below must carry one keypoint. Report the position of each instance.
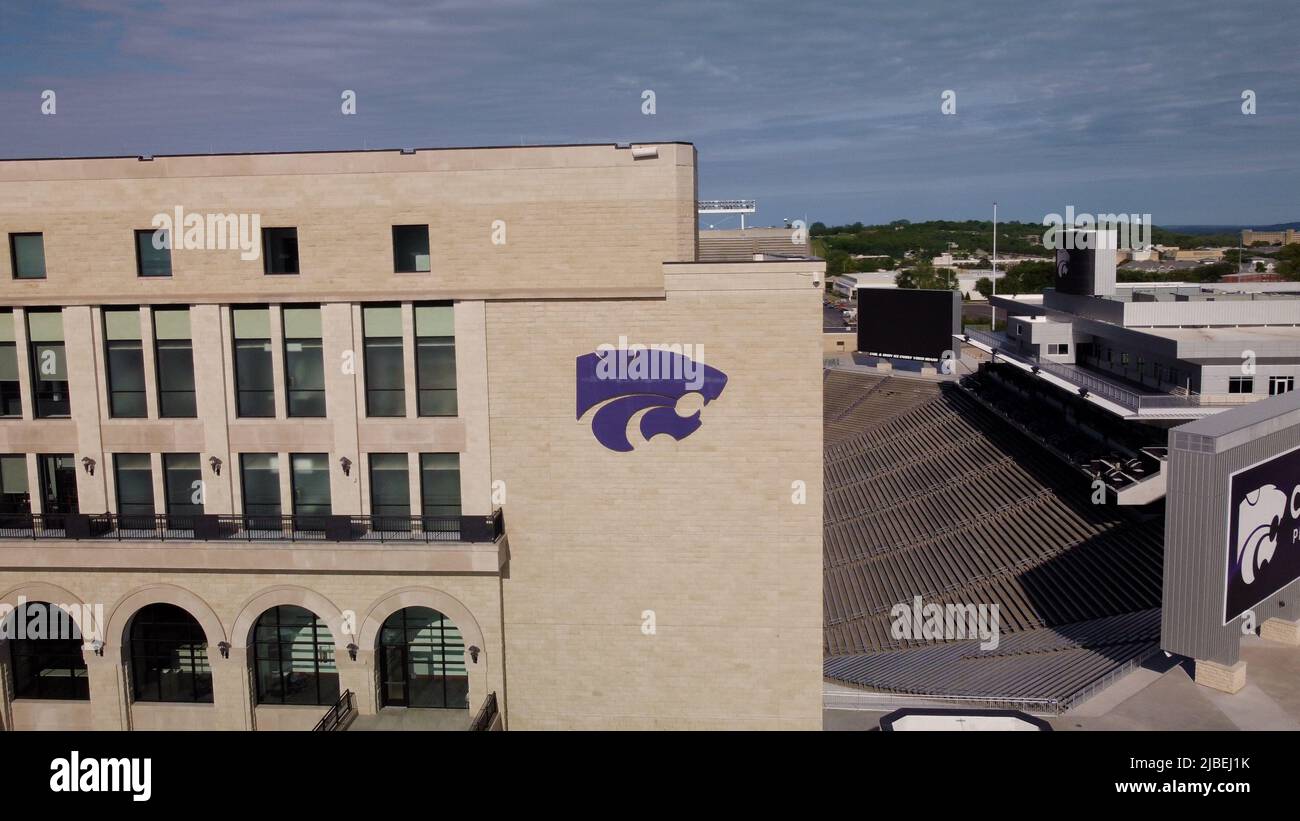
(741, 207)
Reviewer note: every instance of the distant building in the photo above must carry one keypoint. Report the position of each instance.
(1287, 237)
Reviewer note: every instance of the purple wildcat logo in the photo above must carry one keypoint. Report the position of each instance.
(625, 382)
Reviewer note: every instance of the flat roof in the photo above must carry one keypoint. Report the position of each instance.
(1261, 333)
(395, 149)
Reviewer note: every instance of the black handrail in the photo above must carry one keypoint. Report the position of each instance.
(251, 528)
(336, 715)
(486, 716)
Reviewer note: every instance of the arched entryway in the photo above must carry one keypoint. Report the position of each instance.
(294, 659)
(45, 642)
(421, 661)
(169, 656)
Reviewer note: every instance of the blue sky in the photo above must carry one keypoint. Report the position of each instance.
(829, 110)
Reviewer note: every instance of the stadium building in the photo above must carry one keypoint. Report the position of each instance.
(1112, 472)
(286, 433)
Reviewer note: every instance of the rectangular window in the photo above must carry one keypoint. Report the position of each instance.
(310, 476)
(153, 253)
(304, 364)
(11, 403)
(254, 379)
(183, 484)
(1241, 384)
(390, 490)
(385, 382)
(440, 484)
(58, 478)
(410, 249)
(1280, 384)
(174, 361)
(280, 250)
(260, 480)
(134, 478)
(1055, 349)
(435, 360)
(125, 363)
(27, 256)
(15, 499)
(49, 364)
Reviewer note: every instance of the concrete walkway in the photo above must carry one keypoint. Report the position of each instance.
(413, 719)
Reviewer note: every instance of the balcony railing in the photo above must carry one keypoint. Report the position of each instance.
(258, 528)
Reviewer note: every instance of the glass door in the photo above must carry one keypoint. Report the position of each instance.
(58, 484)
(392, 673)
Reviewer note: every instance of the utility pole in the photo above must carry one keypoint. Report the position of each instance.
(993, 322)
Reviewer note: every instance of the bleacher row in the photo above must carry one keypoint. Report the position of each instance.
(867, 399)
(945, 500)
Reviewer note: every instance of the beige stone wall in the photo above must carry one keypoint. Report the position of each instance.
(703, 531)
(564, 209)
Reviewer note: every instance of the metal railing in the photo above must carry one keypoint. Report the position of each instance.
(486, 715)
(335, 717)
(1130, 400)
(254, 528)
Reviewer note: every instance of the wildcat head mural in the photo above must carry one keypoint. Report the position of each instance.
(624, 382)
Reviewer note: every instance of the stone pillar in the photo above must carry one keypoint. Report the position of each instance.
(1223, 677)
(339, 356)
(110, 702)
(1281, 631)
(231, 689)
(359, 677)
(472, 407)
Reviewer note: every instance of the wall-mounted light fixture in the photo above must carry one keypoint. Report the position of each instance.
(473, 653)
(346, 464)
(352, 651)
(224, 647)
(88, 464)
(215, 464)
(98, 647)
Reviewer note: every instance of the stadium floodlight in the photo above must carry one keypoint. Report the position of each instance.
(741, 207)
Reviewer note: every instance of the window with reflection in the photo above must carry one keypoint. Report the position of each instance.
(440, 484)
(11, 403)
(153, 253)
(260, 481)
(310, 477)
(390, 490)
(47, 659)
(422, 660)
(169, 656)
(133, 475)
(435, 360)
(174, 358)
(183, 484)
(124, 358)
(254, 378)
(15, 494)
(385, 379)
(304, 365)
(49, 364)
(293, 655)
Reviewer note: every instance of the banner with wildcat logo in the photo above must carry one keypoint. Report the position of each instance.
(1263, 532)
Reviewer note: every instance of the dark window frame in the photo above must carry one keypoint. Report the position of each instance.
(397, 263)
(240, 392)
(139, 260)
(13, 254)
(30, 657)
(273, 652)
(267, 265)
(164, 654)
(109, 388)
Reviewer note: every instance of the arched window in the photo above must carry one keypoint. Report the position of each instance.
(293, 652)
(169, 656)
(422, 660)
(45, 648)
